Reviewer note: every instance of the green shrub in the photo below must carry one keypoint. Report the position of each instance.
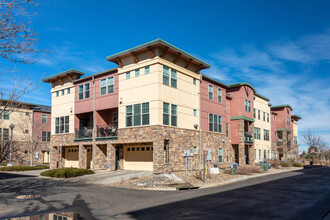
(66, 172)
(3, 164)
(286, 164)
(24, 168)
(298, 165)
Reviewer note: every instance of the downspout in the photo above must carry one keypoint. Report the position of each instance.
(93, 131)
(200, 126)
(32, 138)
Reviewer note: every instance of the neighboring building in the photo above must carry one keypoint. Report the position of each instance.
(262, 128)
(156, 111)
(31, 133)
(283, 125)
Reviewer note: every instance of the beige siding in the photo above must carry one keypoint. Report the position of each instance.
(18, 118)
(262, 105)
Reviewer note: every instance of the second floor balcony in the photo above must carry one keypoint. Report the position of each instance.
(248, 138)
(102, 131)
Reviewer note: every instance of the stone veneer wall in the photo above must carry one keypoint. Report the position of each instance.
(241, 145)
(179, 140)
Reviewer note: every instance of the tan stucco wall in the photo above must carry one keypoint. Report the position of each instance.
(63, 105)
(262, 105)
(150, 88)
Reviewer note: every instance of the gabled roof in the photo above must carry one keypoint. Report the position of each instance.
(242, 84)
(63, 74)
(281, 106)
(296, 117)
(261, 96)
(158, 42)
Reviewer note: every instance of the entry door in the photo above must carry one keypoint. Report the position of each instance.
(46, 156)
(89, 157)
(117, 158)
(247, 159)
(236, 153)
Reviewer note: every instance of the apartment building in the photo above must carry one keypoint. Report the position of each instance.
(30, 134)
(262, 128)
(156, 111)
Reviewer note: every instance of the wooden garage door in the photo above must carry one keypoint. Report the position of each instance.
(72, 157)
(138, 157)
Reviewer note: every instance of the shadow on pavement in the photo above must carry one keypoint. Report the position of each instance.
(8, 175)
(296, 197)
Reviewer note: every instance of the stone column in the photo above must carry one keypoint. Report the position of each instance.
(241, 145)
(158, 156)
(82, 157)
(111, 157)
(100, 158)
(54, 157)
(251, 149)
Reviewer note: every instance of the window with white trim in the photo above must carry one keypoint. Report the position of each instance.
(215, 123)
(170, 114)
(44, 119)
(45, 136)
(219, 95)
(220, 155)
(173, 78)
(62, 125)
(137, 114)
(166, 75)
(210, 92)
(128, 75)
(83, 91)
(137, 72)
(146, 69)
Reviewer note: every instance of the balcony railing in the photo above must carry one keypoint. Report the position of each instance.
(106, 131)
(248, 137)
(84, 132)
(279, 142)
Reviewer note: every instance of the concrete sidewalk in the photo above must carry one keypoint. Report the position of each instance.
(107, 177)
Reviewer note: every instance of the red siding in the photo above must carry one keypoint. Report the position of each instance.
(38, 126)
(239, 95)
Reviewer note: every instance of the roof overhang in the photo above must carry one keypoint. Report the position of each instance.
(281, 106)
(261, 96)
(242, 84)
(214, 81)
(296, 117)
(59, 76)
(167, 47)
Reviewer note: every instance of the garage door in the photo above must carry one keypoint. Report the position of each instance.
(138, 157)
(72, 157)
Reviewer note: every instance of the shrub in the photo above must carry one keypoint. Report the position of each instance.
(275, 163)
(297, 165)
(3, 164)
(248, 170)
(286, 164)
(66, 172)
(24, 168)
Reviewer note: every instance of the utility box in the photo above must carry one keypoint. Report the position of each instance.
(186, 153)
(232, 171)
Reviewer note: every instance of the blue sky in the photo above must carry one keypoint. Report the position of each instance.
(281, 47)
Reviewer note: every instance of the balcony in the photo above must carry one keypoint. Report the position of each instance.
(248, 137)
(279, 142)
(84, 133)
(106, 131)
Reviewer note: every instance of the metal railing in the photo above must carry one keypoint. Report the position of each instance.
(85, 132)
(248, 136)
(106, 131)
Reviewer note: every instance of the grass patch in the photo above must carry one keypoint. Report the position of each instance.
(24, 168)
(3, 164)
(66, 172)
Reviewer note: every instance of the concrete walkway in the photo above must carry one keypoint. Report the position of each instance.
(107, 177)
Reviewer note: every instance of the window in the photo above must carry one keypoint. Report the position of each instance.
(268, 154)
(166, 151)
(167, 120)
(264, 116)
(111, 85)
(295, 140)
(174, 115)
(81, 92)
(227, 155)
(5, 115)
(26, 131)
(129, 116)
(265, 156)
(195, 112)
(195, 150)
(173, 78)
(259, 114)
(256, 133)
(220, 155)
(274, 117)
(288, 120)
(259, 154)
(68, 91)
(146, 69)
(6, 134)
(254, 112)
(166, 75)
(128, 75)
(145, 113)
(166, 113)
(249, 106)
(45, 136)
(27, 114)
(266, 135)
(57, 93)
(210, 92)
(137, 72)
(194, 81)
(135, 115)
(44, 119)
(86, 90)
(267, 117)
(219, 95)
(62, 92)
(215, 123)
(62, 124)
(103, 86)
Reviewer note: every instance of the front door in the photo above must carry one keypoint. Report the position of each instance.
(89, 157)
(117, 158)
(236, 153)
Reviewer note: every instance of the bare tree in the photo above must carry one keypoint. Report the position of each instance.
(315, 141)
